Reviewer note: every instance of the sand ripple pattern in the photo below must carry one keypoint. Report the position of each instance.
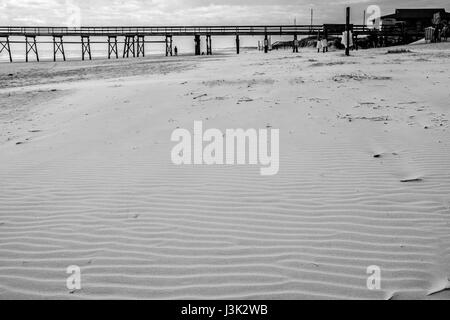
(146, 229)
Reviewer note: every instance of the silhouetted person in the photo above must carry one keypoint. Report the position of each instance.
(324, 45)
(436, 34)
(176, 50)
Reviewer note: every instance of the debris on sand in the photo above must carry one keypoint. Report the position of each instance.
(397, 51)
(244, 99)
(358, 77)
(350, 118)
(412, 180)
(329, 64)
(200, 96)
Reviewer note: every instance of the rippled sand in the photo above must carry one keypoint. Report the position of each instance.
(86, 177)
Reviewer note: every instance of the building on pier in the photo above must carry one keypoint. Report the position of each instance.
(418, 19)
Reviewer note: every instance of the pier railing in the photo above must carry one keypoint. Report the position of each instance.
(198, 30)
(162, 30)
(173, 30)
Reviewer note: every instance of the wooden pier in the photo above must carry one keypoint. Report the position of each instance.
(135, 37)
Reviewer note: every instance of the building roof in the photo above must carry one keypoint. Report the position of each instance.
(427, 13)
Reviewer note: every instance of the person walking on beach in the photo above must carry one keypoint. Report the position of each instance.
(319, 45)
(324, 45)
(176, 51)
(296, 44)
(444, 33)
(437, 35)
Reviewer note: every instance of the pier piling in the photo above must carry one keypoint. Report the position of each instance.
(237, 44)
(347, 29)
(208, 45)
(266, 44)
(112, 46)
(169, 45)
(197, 41)
(85, 47)
(140, 45)
(31, 45)
(58, 46)
(4, 45)
(129, 46)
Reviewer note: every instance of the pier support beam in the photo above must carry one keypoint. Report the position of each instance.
(295, 44)
(169, 45)
(4, 45)
(58, 46)
(238, 44)
(31, 45)
(347, 28)
(266, 44)
(85, 47)
(140, 45)
(129, 47)
(208, 45)
(197, 41)
(112, 46)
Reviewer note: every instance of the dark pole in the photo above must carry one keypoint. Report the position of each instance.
(26, 44)
(82, 48)
(9, 49)
(35, 46)
(364, 21)
(347, 29)
(237, 44)
(62, 49)
(89, 47)
(54, 49)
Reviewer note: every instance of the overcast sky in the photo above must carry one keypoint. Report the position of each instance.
(192, 12)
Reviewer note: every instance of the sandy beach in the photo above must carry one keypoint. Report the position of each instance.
(86, 177)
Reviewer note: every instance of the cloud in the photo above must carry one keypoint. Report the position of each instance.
(187, 12)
